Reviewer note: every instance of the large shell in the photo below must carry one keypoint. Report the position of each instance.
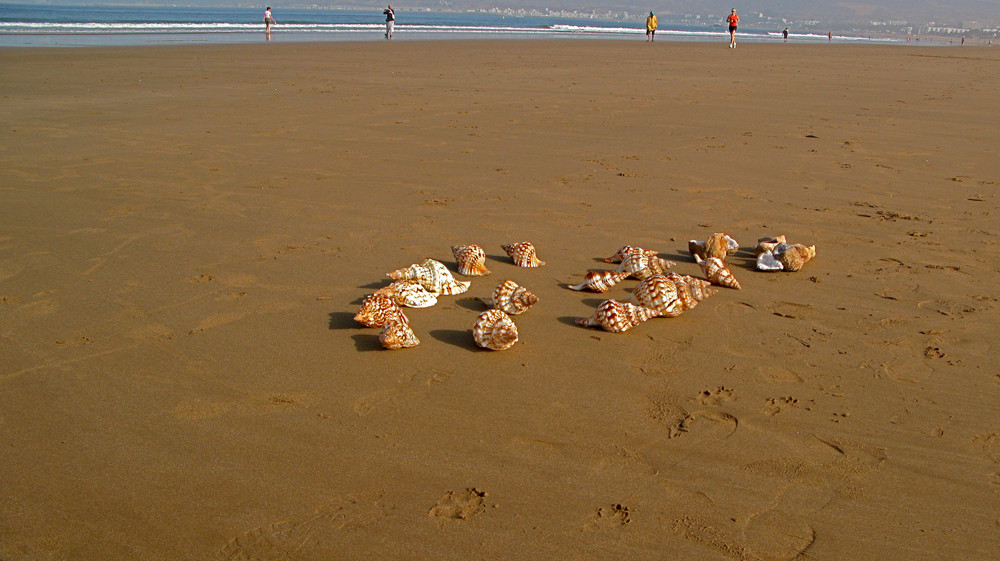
(433, 276)
(793, 257)
(512, 298)
(397, 335)
(601, 281)
(409, 293)
(625, 250)
(471, 260)
(657, 293)
(717, 245)
(494, 330)
(691, 290)
(617, 317)
(641, 265)
(377, 310)
(767, 244)
(523, 254)
(717, 273)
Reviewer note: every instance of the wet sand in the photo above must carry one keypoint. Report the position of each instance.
(186, 234)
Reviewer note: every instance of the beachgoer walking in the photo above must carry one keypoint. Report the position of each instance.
(268, 21)
(390, 21)
(829, 37)
(732, 19)
(785, 34)
(650, 27)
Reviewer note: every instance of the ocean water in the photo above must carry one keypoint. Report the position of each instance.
(76, 26)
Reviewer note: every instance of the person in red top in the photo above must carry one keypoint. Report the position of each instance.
(732, 19)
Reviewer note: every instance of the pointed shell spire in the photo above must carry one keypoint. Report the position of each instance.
(617, 317)
(494, 330)
(658, 293)
(601, 281)
(512, 298)
(409, 293)
(717, 273)
(641, 265)
(434, 276)
(377, 310)
(627, 249)
(523, 254)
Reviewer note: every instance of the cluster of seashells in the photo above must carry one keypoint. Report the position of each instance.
(776, 254)
(668, 294)
(420, 285)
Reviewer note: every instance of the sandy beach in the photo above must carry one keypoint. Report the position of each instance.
(187, 232)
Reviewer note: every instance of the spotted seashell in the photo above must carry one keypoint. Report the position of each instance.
(658, 293)
(512, 298)
(523, 254)
(625, 250)
(691, 290)
(494, 330)
(717, 273)
(433, 276)
(377, 310)
(397, 335)
(471, 260)
(617, 317)
(601, 281)
(793, 257)
(409, 293)
(717, 245)
(767, 244)
(641, 265)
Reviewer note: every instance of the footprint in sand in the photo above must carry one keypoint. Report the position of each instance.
(462, 505)
(716, 396)
(610, 517)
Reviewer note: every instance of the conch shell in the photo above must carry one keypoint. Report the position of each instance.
(471, 260)
(378, 310)
(617, 317)
(717, 273)
(494, 330)
(793, 257)
(511, 298)
(641, 265)
(523, 254)
(433, 276)
(767, 244)
(717, 245)
(409, 293)
(601, 281)
(397, 335)
(691, 290)
(627, 249)
(670, 294)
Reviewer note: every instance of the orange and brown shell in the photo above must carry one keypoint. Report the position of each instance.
(409, 293)
(767, 244)
(717, 245)
(793, 257)
(433, 276)
(600, 281)
(397, 335)
(659, 294)
(627, 249)
(691, 290)
(523, 254)
(512, 298)
(494, 330)
(471, 260)
(377, 310)
(641, 265)
(717, 273)
(617, 317)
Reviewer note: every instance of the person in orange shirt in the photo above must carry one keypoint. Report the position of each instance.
(732, 19)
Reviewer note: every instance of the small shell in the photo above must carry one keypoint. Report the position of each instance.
(717, 245)
(641, 265)
(523, 254)
(409, 293)
(625, 250)
(617, 317)
(377, 310)
(433, 276)
(494, 330)
(471, 260)
(601, 281)
(397, 335)
(717, 273)
(765, 245)
(657, 293)
(512, 298)
(767, 262)
(793, 257)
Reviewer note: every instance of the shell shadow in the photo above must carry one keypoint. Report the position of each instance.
(680, 256)
(378, 284)
(473, 304)
(458, 338)
(342, 320)
(593, 302)
(366, 342)
(569, 320)
(503, 258)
